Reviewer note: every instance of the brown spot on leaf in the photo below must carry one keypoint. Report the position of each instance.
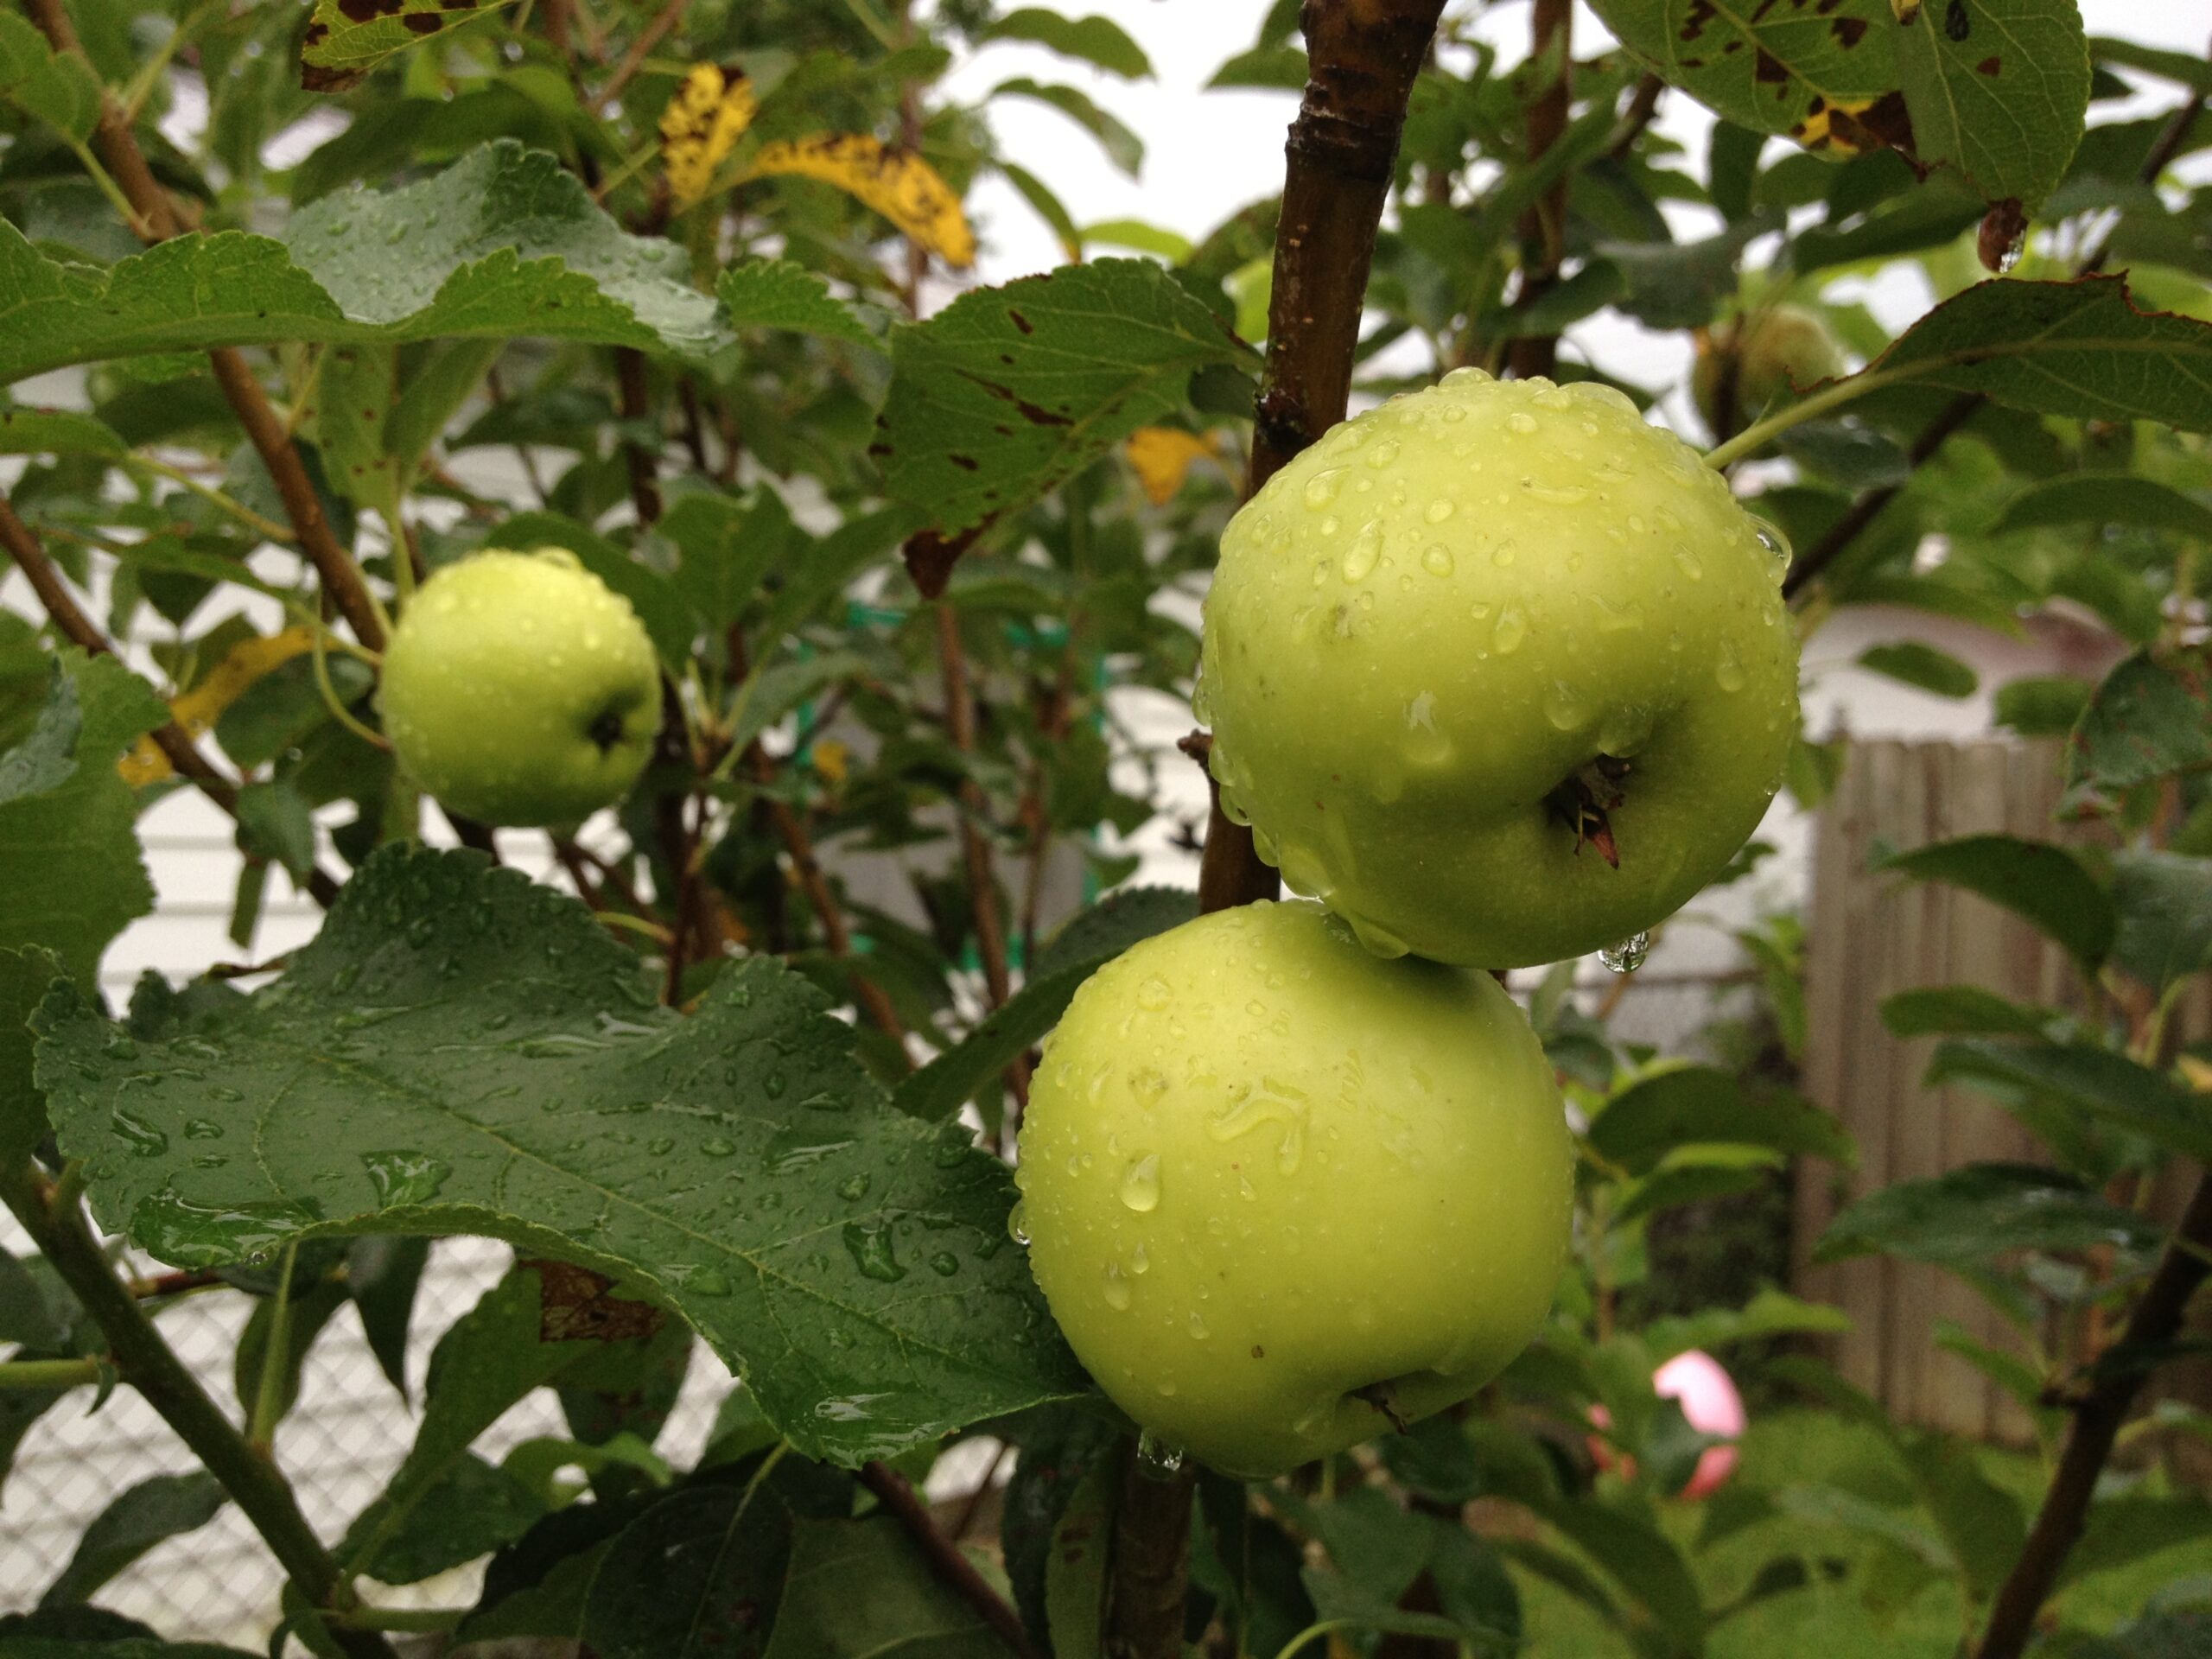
(1769, 70)
(1020, 321)
(930, 555)
(1848, 31)
(966, 463)
(1957, 25)
(2003, 227)
(573, 1305)
(1991, 65)
(1035, 414)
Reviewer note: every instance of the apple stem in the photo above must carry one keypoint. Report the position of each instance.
(1759, 434)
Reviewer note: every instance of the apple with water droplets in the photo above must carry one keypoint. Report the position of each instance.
(519, 689)
(1499, 671)
(1283, 1195)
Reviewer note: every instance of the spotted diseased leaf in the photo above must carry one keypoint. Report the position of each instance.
(897, 183)
(502, 244)
(460, 1051)
(1997, 89)
(1007, 391)
(709, 113)
(2079, 349)
(346, 40)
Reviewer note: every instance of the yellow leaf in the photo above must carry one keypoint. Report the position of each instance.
(897, 183)
(1162, 457)
(201, 708)
(832, 760)
(2197, 1074)
(700, 126)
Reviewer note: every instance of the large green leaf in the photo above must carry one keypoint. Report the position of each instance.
(460, 1052)
(2088, 1079)
(503, 243)
(58, 88)
(1995, 88)
(2079, 349)
(1970, 1217)
(860, 1590)
(2042, 884)
(2165, 905)
(71, 876)
(2102, 499)
(778, 294)
(1098, 40)
(1699, 1103)
(24, 976)
(1088, 942)
(1007, 391)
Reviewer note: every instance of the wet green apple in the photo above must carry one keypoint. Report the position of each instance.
(518, 689)
(1779, 352)
(1499, 671)
(1280, 1192)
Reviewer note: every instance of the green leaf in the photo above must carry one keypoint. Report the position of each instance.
(25, 973)
(2128, 1528)
(2148, 719)
(1969, 1217)
(1921, 664)
(859, 1590)
(1694, 1103)
(141, 1516)
(1995, 88)
(2103, 499)
(458, 1051)
(2041, 705)
(2094, 1081)
(2079, 349)
(54, 431)
(778, 293)
(275, 823)
(2165, 902)
(1088, 942)
(698, 1575)
(1641, 1559)
(1279, 67)
(308, 1309)
(1983, 1524)
(342, 46)
(382, 1275)
(471, 1509)
(1099, 41)
(504, 244)
(2043, 885)
(1007, 391)
(1961, 1010)
(59, 790)
(1075, 1572)
(60, 89)
(1770, 1313)
(727, 548)
(1123, 147)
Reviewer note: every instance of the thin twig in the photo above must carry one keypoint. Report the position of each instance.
(1544, 227)
(634, 60)
(945, 1558)
(56, 1221)
(2097, 1419)
(30, 557)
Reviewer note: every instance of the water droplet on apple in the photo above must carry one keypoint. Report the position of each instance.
(1366, 548)
(1628, 956)
(1438, 511)
(1617, 619)
(1383, 453)
(1565, 708)
(1729, 672)
(1777, 546)
(1198, 1331)
(1117, 1292)
(1467, 377)
(1686, 562)
(1156, 1457)
(1512, 628)
(1017, 1223)
(1141, 1184)
(1154, 993)
(1321, 488)
(1502, 554)
(1139, 1262)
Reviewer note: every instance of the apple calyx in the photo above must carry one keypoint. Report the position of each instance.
(1383, 1396)
(1584, 801)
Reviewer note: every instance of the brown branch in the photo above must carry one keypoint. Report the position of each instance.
(634, 60)
(1340, 157)
(1869, 504)
(974, 848)
(945, 1558)
(184, 755)
(2097, 1419)
(1151, 1568)
(1642, 106)
(635, 404)
(157, 221)
(799, 845)
(1543, 227)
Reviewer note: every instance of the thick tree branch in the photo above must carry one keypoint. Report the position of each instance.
(958, 1573)
(53, 593)
(1810, 563)
(157, 221)
(56, 1224)
(1341, 155)
(1151, 1569)
(2154, 1323)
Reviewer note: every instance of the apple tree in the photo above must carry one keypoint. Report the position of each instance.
(539, 470)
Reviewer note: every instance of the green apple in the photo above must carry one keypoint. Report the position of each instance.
(1779, 352)
(518, 689)
(1280, 1191)
(1499, 671)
